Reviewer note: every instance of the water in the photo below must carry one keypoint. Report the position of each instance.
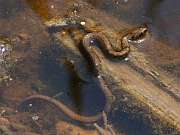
(38, 70)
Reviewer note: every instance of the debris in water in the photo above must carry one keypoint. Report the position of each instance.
(35, 118)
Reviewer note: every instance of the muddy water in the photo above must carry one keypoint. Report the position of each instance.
(38, 70)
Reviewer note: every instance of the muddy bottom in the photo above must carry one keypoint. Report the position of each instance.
(32, 62)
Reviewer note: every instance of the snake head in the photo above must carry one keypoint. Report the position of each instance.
(138, 35)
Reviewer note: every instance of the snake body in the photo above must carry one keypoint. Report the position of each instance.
(105, 44)
(136, 35)
(87, 43)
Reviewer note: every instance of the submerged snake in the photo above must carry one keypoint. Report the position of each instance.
(136, 35)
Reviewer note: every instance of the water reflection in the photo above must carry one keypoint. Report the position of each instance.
(75, 87)
(60, 77)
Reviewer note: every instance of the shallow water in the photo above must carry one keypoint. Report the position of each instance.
(38, 70)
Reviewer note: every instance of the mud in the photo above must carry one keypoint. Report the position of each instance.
(145, 84)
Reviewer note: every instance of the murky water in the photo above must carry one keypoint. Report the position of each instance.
(42, 69)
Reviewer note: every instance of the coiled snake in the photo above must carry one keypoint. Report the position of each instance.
(88, 42)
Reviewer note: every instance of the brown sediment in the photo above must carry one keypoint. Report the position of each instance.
(65, 128)
(41, 8)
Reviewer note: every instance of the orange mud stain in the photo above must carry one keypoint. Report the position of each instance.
(41, 8)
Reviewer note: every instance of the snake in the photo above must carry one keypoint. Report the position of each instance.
(136, 35)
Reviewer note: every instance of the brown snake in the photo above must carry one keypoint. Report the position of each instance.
(88, 43)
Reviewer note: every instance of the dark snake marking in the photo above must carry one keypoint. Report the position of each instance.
(87, 43)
